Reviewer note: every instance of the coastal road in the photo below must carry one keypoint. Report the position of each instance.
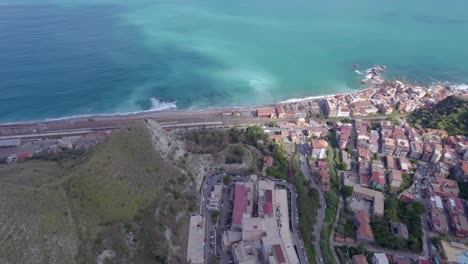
(294, 222)
(321, 211)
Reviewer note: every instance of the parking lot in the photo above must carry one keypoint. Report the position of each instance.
(360, 204)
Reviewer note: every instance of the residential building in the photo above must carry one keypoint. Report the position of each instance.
(450, 156)
(364, 172)
(441, 169)
(330, 107)
(325, 179)
(388, 146)
(379, 258)
(375, 197)
(363, 108)
(374, 141)
(445, 187)
(438, 222)
(395, 179)
(459, 225)
(386, 128)
(378, 174)
(245, 252)
(364, 153)
(364, 230)
(343, 136)
(402, 147)
(360, 259)
(436, 204)
(455, 206)
(428, 151)
(280, 111)
(293, 136)
(317, 131)
(405, 164)
(266, 112)
(243, 202)
(416, 148)
(399, 133)
(319, 148)
(391, 165)
(461, 171)
(437, 153)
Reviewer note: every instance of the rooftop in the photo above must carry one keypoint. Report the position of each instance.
(196, 240)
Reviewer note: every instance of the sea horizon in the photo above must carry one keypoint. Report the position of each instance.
(66, 58)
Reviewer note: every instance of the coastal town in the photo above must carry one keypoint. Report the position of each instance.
(387, 191)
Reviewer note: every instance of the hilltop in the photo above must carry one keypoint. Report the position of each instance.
(127, 200)
(450, 114)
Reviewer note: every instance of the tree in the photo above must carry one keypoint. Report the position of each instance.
(360, 249)
(347, 191)
(216, 213)
(226, 180)
(272, 124)
(344, 166)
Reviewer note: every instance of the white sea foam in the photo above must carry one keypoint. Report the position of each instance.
(456, 86)
(460, 86)
(157, 105)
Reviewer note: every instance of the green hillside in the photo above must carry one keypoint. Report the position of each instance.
(450, 114)
(121, 196)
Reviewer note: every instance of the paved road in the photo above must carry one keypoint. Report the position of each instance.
(376, 249)
(332, 234)
(321, 211)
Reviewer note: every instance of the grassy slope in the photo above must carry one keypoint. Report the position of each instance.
(123, 182)
(450, 114)
(34, 216)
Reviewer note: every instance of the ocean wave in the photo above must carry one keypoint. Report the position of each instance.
(157, 105)
(453, 85)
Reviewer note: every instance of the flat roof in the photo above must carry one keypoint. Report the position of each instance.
(378, 197)
(196, 243)
(10, 142)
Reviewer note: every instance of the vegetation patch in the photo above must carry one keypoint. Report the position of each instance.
(403, 212)
(450, 114)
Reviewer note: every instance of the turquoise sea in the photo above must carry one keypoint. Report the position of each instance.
(79, 57)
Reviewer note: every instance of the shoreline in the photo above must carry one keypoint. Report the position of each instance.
(141, 114)
(207, 112)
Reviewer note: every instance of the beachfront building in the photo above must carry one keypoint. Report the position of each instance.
(266, 112)
(281, 113)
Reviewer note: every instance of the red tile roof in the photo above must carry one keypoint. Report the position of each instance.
(318, 143)
(364, 229)
(240, 203)
(266, 112)
(360, 259)
(268, 208)
(268, 161)
(278, 252)
(322, 165)
(268, 196)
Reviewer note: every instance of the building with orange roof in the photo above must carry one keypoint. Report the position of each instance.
(364, 230)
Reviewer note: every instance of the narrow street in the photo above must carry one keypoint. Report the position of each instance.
(321, 211)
